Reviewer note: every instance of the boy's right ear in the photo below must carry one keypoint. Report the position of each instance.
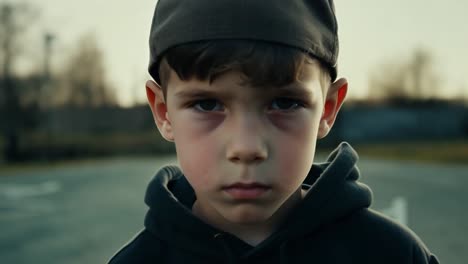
(158, 106)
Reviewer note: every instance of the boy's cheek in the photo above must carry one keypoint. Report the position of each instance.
(295, 152)
(295, 147)
(197, 156)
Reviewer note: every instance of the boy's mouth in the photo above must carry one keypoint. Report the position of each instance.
(246, 191)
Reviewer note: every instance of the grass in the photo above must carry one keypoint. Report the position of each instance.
(78, 146)
(448, 152)
(38, 148)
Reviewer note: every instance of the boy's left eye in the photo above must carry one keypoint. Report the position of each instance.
(285, 104)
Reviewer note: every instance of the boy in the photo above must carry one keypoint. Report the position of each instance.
(244, 89)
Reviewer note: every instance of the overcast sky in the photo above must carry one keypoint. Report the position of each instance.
(371, 32)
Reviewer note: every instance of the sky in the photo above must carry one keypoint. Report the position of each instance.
(371, 32)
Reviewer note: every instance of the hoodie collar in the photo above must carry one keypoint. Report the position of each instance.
(333, 193)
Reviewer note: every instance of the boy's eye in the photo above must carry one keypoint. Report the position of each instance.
(285, 104)
(208, 105)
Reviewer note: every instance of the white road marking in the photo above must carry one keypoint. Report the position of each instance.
(18, 191)
(398, 210)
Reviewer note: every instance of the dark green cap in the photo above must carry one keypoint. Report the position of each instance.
(309, 25)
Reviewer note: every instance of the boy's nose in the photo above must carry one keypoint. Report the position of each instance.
(246, 143)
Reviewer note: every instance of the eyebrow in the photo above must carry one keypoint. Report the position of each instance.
(295, 90)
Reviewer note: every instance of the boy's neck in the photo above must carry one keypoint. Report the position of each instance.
(252, 234)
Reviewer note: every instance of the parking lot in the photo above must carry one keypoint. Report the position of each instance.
(83, 212)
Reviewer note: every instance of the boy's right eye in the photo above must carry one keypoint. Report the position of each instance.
(208, 105)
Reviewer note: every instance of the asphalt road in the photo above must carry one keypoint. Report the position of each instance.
(84, 212)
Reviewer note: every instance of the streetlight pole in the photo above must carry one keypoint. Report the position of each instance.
(45, 94)
(48, 39)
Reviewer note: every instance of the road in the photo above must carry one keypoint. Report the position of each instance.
(83, 212)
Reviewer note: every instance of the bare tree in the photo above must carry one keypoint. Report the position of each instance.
(14, 20)
(83, 78)
(413, 79)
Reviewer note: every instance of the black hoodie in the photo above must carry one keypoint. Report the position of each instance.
(331, 225)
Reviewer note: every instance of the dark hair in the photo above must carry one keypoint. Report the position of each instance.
(264, 64)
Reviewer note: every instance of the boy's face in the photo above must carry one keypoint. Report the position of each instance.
(245, 150)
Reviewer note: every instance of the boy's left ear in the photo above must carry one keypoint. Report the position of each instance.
(334, 100)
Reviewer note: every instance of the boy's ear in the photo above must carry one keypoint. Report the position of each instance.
(158, 107)
(333, 102)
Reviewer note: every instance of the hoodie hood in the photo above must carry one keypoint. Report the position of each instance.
(333, 193)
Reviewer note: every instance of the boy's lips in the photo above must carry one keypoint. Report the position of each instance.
(246, 191)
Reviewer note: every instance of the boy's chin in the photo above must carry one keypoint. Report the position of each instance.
(248, 216)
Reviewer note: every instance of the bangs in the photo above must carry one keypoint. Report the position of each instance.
(263, 64)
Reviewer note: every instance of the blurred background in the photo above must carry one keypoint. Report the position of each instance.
(78, 144)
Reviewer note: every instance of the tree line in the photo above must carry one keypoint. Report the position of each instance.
(80, 82)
